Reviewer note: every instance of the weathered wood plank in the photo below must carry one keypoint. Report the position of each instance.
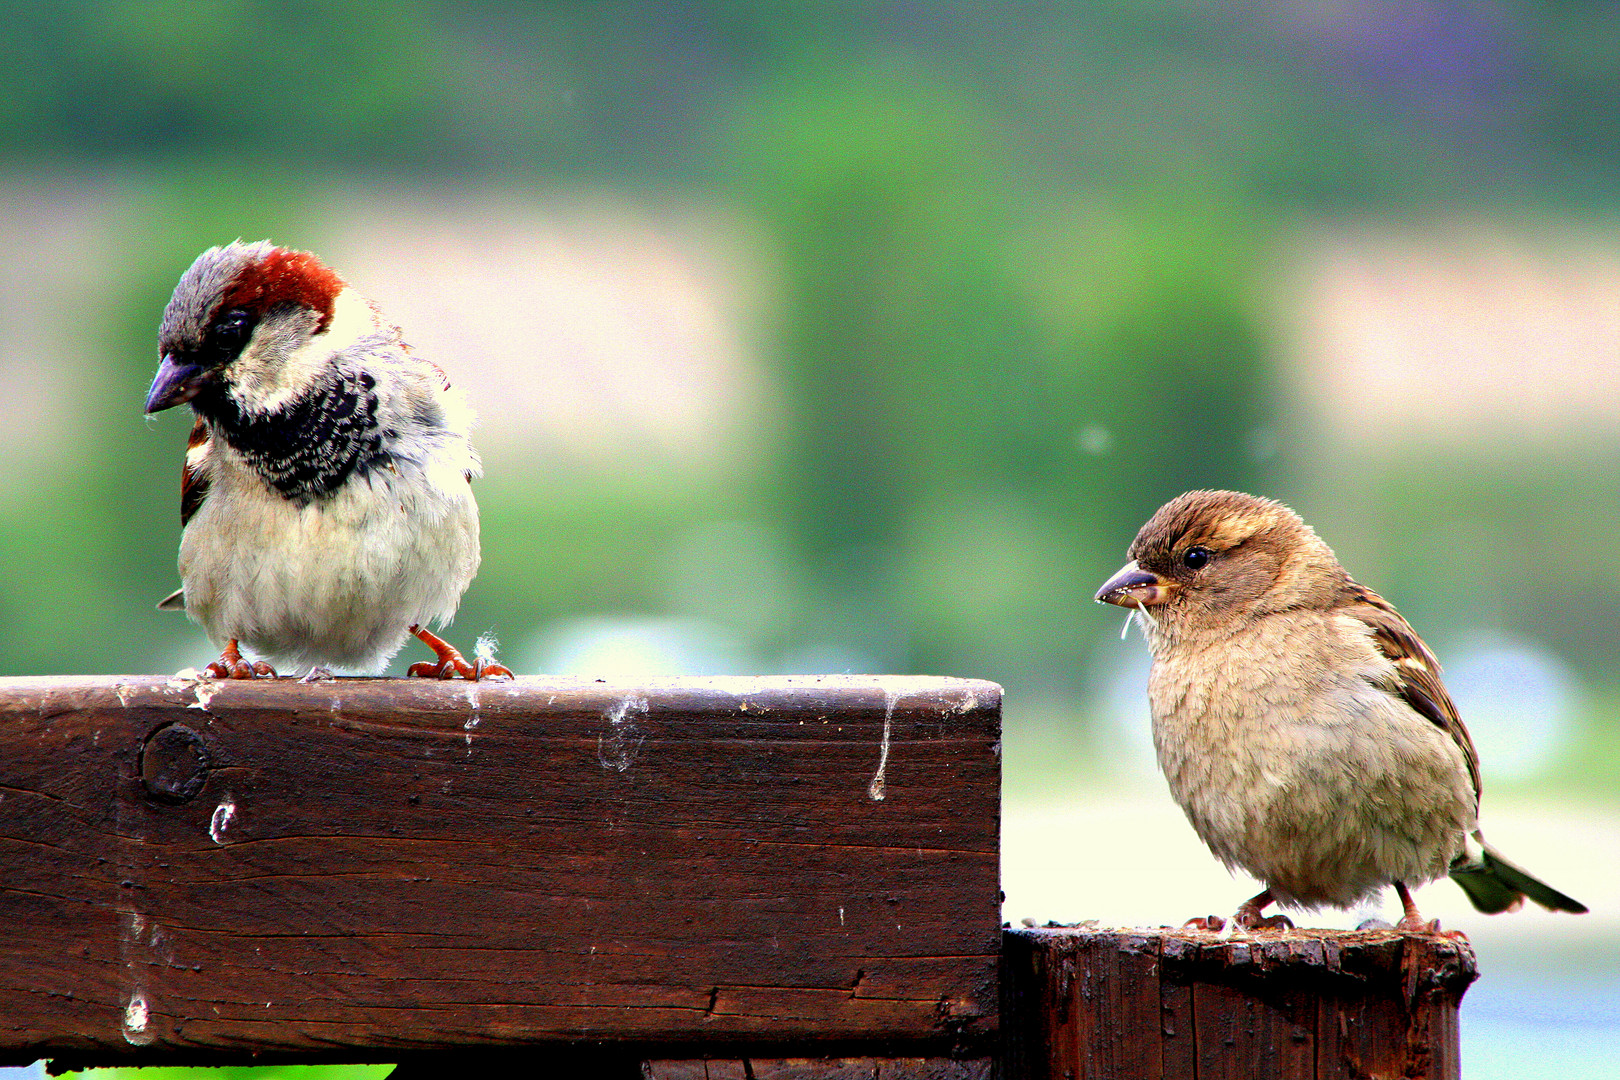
(1246, 1024)
(1119, 987)
(1408, 1027)
(1293, 1005)
(821, 1069)
(387, 865)
(1177, 1022)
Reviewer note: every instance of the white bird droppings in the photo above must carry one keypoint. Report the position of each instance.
(205, 689)
(894, 690)
(224, 813)
(136, 1015)
(474, 719)
(617, 749)
(875, 790)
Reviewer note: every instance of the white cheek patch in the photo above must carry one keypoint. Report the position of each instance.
(268, 382)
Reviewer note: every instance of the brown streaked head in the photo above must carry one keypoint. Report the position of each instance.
(1208, 555)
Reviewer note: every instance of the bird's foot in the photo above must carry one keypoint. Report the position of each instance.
(230, 665)
(451, 664)
(1213, 923)
(1249, 917)
(1412, 922)
(318, 674)
(1253, 920)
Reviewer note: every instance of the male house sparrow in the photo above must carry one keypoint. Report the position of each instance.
(1300, 721)
(326, 496)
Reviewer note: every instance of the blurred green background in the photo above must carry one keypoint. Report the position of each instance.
(859, 337)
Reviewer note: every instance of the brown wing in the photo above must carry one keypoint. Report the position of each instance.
(1417, 672)
(194, 474)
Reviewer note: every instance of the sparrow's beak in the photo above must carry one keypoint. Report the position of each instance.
(1134, 587)
(176, 383)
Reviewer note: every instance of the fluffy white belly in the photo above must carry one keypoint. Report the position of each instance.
(335, 583)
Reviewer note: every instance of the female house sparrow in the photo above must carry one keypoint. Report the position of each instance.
(1300, 721)
(326, 496)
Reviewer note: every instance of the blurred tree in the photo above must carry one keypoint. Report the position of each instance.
(932, 377)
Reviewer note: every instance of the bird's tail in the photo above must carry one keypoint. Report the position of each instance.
(1494, 885)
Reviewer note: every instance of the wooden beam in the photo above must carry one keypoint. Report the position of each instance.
(365, 868)
(1186, 1005)
(820, 1069)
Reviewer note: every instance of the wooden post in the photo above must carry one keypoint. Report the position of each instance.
(1083, 1004)
(386, 870)
(776, 879)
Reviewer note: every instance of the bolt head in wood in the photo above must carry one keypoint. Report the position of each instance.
(174, 763)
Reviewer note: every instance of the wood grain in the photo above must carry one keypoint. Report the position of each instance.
(1091, 1004)
(212, 870)
(821, 1069)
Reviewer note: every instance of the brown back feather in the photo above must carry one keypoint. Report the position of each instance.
(1417, 672)
(193, 481)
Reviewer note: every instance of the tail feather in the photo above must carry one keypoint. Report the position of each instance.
(1494, 885)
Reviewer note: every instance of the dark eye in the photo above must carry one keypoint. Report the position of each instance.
(1196, 557)
(230, 332)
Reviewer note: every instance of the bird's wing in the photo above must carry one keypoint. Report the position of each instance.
(194, 474)
(1417, 672)
(193, 489)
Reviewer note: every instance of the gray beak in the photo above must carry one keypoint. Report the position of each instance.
(176, 382)
(1134, 587)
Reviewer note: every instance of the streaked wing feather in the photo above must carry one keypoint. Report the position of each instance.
(1417, 672)
(194, 474)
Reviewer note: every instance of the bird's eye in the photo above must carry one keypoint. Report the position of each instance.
(230, 332)
(1196, 557)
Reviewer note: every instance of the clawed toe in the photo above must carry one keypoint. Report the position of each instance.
(451, 664)
(1248, 915)
(456, 667)
(484, 668)
(1412, 922)
(1264, 922)
(240, 669)
(230, 665)
(1247, 918)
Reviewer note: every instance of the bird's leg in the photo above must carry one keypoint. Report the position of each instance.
(451, 663)
(1412, 922)
(230, 665)
(1248, 915)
